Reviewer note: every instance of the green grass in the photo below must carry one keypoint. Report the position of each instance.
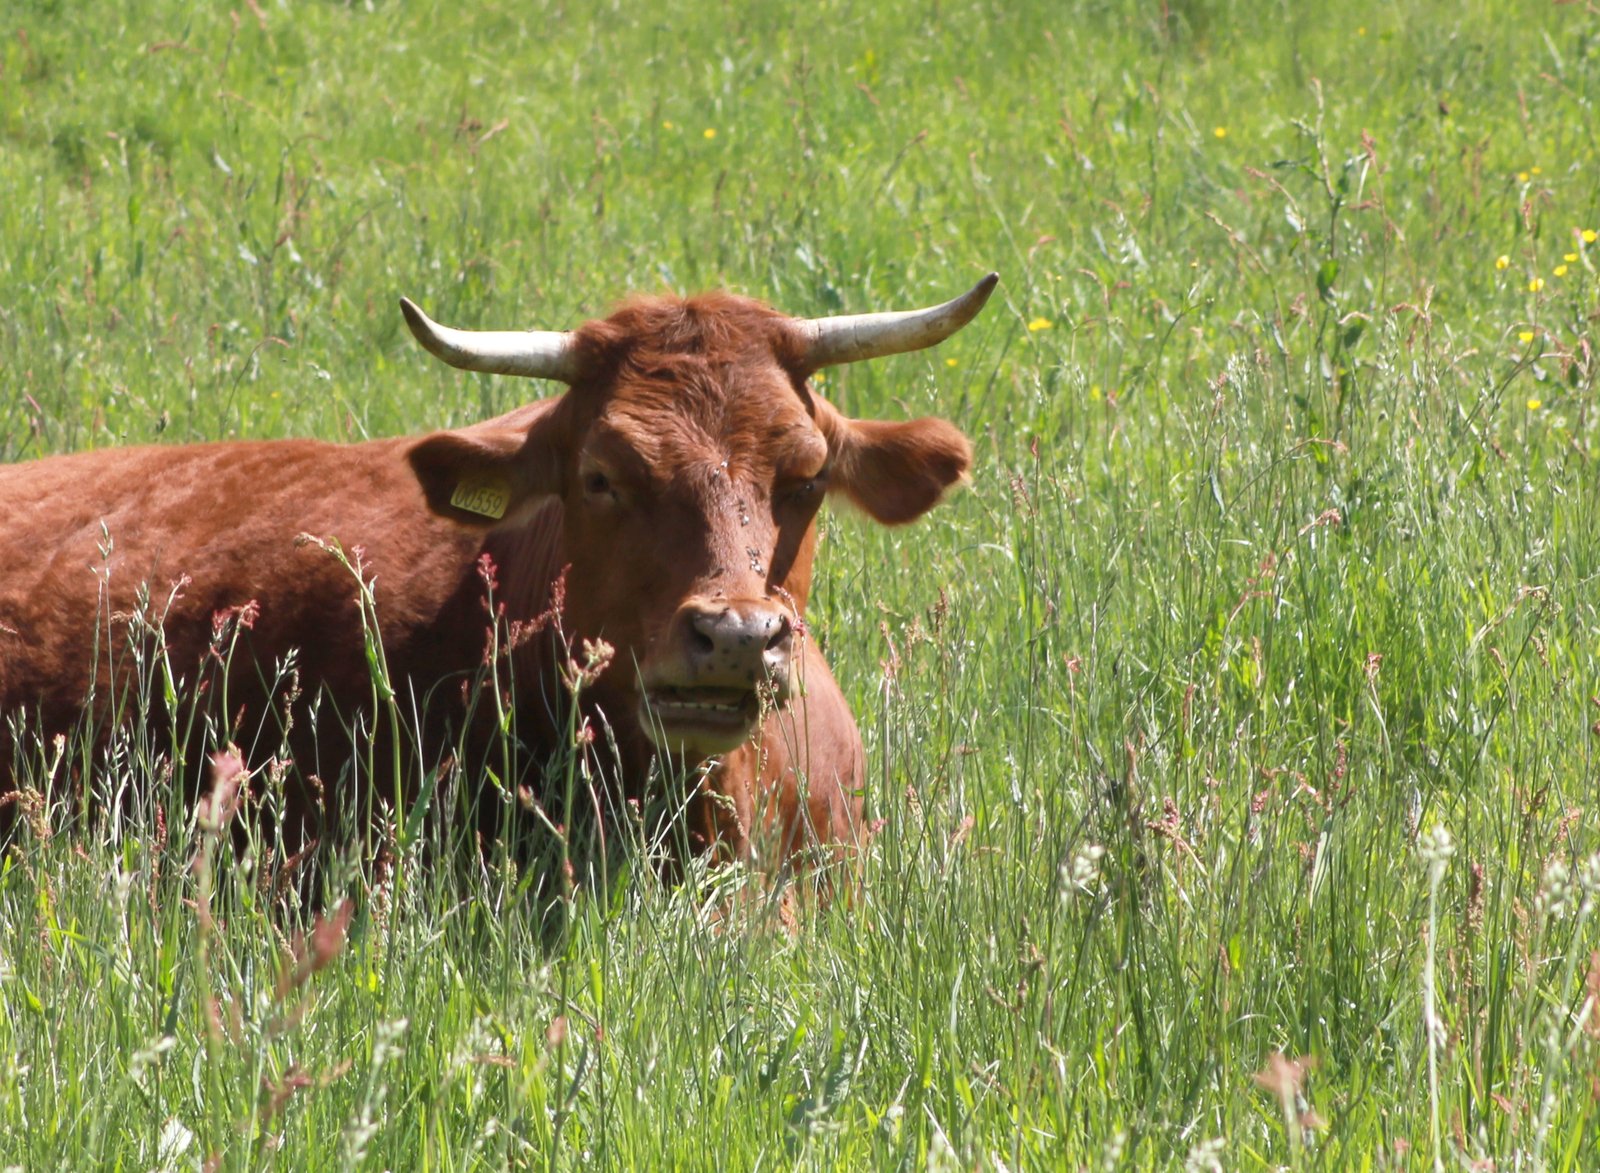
(1282, 555)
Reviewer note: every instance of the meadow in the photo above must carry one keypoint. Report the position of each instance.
(1234, 734)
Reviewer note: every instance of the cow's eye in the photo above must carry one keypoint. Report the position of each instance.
(597, 484)
(808, 491)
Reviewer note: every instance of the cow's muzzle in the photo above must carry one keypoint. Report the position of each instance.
(720, 660)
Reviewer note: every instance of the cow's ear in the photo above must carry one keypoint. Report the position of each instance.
(487, 473)
(896, 471)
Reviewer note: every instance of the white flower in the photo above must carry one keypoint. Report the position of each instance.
(1555, 891)
(1435, 847)
(1205, 1157)
(1081, 874)
(175, 1141)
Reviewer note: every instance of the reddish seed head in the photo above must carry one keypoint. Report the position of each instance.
(228, 774)
(328, 936)
(486, 571)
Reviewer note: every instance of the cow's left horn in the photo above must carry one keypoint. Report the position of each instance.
(853, 337)
(534, 354)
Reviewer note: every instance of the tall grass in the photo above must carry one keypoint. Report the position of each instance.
(1233, 736)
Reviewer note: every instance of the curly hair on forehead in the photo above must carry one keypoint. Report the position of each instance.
(718, 328)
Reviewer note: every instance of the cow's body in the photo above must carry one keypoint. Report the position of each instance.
(196, 532)
(672, 491)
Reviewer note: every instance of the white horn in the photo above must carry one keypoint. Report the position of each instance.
(534, 354)
(853, 337)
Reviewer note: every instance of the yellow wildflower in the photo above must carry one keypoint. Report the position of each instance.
(1522, 177)
(1537, 170)
(711, 132)
(950, 362)
(1221, 132)
(1525, 336)
(1588, 236)
(1535, 285)
(1560, 270)
(1569, 257)
(1502, 261)
(1361, 30)
(1535, 404)
(1039, 324)
(667, 124)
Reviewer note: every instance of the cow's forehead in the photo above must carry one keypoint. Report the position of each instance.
(710, 378)
(747, 414)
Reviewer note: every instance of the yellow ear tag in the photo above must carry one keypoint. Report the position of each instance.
(485, 494)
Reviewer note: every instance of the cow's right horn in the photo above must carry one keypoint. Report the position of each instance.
(853, 337)
(534, 354)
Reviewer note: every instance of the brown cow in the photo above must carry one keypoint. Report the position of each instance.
(672, 491)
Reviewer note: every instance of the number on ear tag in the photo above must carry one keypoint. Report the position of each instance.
(484, 494)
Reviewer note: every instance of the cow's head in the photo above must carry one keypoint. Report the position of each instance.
(690, 456)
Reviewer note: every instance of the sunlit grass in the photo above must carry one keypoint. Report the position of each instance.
(1279, 573)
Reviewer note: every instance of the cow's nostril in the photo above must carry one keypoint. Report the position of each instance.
(700, 641)
(780, 634)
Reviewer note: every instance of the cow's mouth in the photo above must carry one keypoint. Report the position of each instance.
(699, 720)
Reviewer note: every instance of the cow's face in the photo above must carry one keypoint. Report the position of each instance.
(690, 458)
